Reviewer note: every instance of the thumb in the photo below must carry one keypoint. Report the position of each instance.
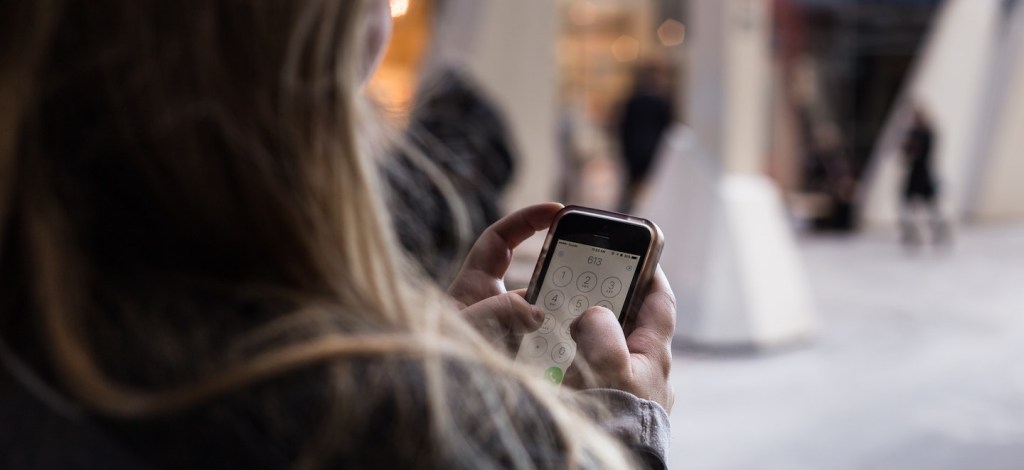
(601, 346)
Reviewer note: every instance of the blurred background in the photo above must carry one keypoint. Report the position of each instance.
(839, 182)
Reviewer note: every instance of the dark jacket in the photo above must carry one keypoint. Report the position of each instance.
(42, 430)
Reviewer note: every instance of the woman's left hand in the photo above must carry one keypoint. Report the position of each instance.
(479, 288)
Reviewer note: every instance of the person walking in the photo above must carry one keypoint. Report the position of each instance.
(645, 116)
(920, 188)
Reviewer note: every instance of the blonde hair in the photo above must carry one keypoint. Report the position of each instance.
(187, 209)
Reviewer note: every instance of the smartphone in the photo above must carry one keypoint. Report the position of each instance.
(590, 258)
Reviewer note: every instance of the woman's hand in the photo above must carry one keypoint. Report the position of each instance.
(639, 364)
(479, 288)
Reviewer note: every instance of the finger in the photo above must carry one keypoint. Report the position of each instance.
(488, 260)
(601, 346)
(657, 312)
(492, 252)
(655, 324)
(501, 315)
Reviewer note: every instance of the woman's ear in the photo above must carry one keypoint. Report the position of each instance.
(375, 37)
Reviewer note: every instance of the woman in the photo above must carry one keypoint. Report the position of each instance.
(196, 268)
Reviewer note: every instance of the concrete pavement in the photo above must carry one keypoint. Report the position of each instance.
(919, 365)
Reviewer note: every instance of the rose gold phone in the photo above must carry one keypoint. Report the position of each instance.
(590, 258)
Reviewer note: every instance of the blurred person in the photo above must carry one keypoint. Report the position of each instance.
(583, 145)
(197, 266)
(571, 159)
(446, 184)
(643, 119)
(920, 189)
(829, 173)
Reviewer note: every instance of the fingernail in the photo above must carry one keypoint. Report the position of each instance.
(538, 314)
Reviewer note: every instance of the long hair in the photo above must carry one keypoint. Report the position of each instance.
(189, 207)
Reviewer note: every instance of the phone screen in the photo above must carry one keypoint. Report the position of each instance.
(582, 276)
(589, 262)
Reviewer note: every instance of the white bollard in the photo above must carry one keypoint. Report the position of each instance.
(729, 253)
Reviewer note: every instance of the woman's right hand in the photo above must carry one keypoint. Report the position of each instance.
(641, 363)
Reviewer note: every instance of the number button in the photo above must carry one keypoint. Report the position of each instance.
(564, 330)
(586, 282)
(562, 277)
(606, 304)
(538, 346)
(548, 325)
(562, 353)
(554, 300)
(578, 305)
(611, 287)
